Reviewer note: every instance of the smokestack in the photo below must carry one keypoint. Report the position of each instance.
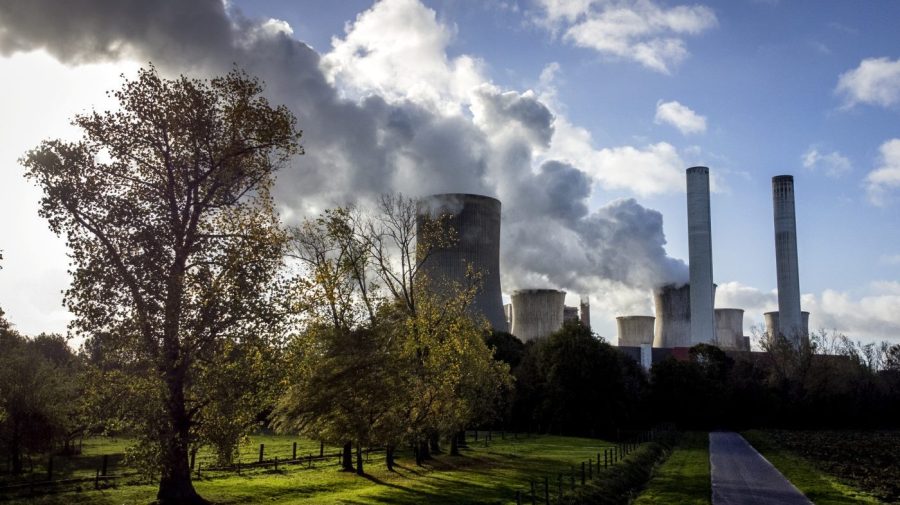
(476, 222)
(537, 312)
(703, 322)
(790, 324)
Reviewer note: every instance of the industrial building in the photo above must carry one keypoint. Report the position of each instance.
(537, 312)
(773, 323)
(475, 221)
(634, 331)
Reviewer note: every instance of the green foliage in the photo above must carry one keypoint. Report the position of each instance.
(572, 382)
(39, 407)
(174, 241)
(382, 366)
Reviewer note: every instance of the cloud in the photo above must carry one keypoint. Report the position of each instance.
(876, 81)
(641, 31)
(386, 109)
(889, 259)
(834, 163)
(886, 176)
(680, 116)
(874, 315)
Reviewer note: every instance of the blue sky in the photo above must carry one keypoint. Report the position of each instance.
(623, 96)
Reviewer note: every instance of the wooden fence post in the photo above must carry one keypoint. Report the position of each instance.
(295, 451)
(262, 450)
(105, 464)
(198, 469)
(321, 448)
(276, 463)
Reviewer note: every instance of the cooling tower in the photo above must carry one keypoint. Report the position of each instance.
(475, 219)
(790, 322)
(703, 324)
(635, 331)
(773, 323)
(537, 312)
(673, 316)
(730, 328)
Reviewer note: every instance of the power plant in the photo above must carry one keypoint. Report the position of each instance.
(685, 314)
(702, 320)
(537, 312)
(789, 324)
(475, 224)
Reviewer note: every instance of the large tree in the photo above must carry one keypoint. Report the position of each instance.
(175, 245)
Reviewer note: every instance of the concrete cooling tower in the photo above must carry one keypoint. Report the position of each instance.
(773, 323)
(786, 264)
(537, 312)
(475, 219)
(635, 331)
(702, 321)
(730, 328)
(673, 316)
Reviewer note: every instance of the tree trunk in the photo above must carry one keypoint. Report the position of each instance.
(423, 451)
(434, 443)
(454, 445)
(175, 485)
(462, 439)
(347, 461)
(359, 460)
(15, 450)
(389, 457)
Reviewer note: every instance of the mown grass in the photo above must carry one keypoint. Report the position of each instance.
(489, 475)
(819, 487)
(684, 477)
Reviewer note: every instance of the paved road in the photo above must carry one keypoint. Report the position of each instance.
(741, 476)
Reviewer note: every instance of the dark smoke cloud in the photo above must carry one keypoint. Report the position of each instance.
(358, 149)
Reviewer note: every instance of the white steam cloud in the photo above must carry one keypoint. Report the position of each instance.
(387, 110)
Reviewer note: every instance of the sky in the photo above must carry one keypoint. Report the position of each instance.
(579, 115)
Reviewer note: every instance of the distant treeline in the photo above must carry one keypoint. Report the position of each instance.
(575, 383)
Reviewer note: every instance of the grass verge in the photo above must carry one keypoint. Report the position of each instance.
(683, 477)
(819, 487)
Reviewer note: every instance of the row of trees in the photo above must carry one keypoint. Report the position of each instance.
(574, 383)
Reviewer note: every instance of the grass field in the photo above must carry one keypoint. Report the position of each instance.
(684, 477)
(489, 474)
(817, 485)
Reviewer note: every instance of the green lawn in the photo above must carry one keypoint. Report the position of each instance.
(819, 487)
(684, 477)
(490, 474)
